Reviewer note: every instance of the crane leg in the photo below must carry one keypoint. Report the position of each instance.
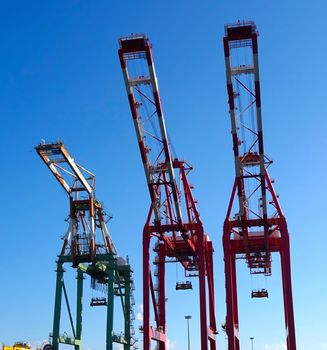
(57, 309)
(79, 309)
(231, 295)
(110, 310)
(287, 291)
(146, 289)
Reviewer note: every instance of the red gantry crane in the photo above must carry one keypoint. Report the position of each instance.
(178, 238)
(259, 227)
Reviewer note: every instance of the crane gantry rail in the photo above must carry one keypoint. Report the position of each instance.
(173, 219)
(259, 227)
(89, 253)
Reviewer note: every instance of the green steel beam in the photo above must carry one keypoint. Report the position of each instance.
(57, 309)
(127, 310)
(119, 277)
(110, 309)
(79, 309)
(68, 308)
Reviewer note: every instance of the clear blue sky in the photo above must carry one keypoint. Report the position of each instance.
(60, 78)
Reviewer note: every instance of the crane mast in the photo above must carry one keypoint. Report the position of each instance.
(89, 253)
(178, 239)
(258, 226)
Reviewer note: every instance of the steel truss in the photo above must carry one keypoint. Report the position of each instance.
(259, 228)
(176, 237)
(90, 254)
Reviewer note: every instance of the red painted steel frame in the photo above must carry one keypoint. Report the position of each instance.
(249, 234)
(169, 247)
(180, 240)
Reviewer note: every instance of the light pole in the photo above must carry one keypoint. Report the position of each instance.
(252, 338)
(188, 317)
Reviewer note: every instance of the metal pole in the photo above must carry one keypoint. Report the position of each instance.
(252, 338)
(188, 331)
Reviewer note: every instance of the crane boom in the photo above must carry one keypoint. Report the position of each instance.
(246, 121)
(79, 183)
(144, 99)
(243, 87)
(73, 177)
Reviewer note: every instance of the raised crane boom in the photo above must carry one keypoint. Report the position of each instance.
(258, 226)
(245, 112)
(149, 123)
(179, 238)
(85, 210)
(71, 177)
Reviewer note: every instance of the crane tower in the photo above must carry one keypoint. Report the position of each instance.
(173, 220)
(87, 245)
(258, 228)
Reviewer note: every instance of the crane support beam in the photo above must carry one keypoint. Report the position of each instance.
(258, 228)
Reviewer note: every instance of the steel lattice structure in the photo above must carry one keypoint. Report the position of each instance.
(173, 219)
(87, 245)
(259, 227)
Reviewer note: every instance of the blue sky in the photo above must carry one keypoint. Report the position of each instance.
(60, 78)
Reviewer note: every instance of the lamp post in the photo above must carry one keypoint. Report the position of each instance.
(188, 317)
(252, 338)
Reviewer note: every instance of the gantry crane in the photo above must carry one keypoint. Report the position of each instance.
(259, 227)
(89, 253)
(178, 238)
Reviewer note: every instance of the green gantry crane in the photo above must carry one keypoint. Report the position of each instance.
(89, 253)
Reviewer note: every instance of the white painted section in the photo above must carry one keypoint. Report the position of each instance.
(126, 80)
(92, 227)
(73, 228)
(140, 81)
(259, 126)
(153, 77)
(69, 232)
(242, 70)
(78, 173)
(228, 70)
(162, 125)
(234, 132)
(58, 175)
(105, 233)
